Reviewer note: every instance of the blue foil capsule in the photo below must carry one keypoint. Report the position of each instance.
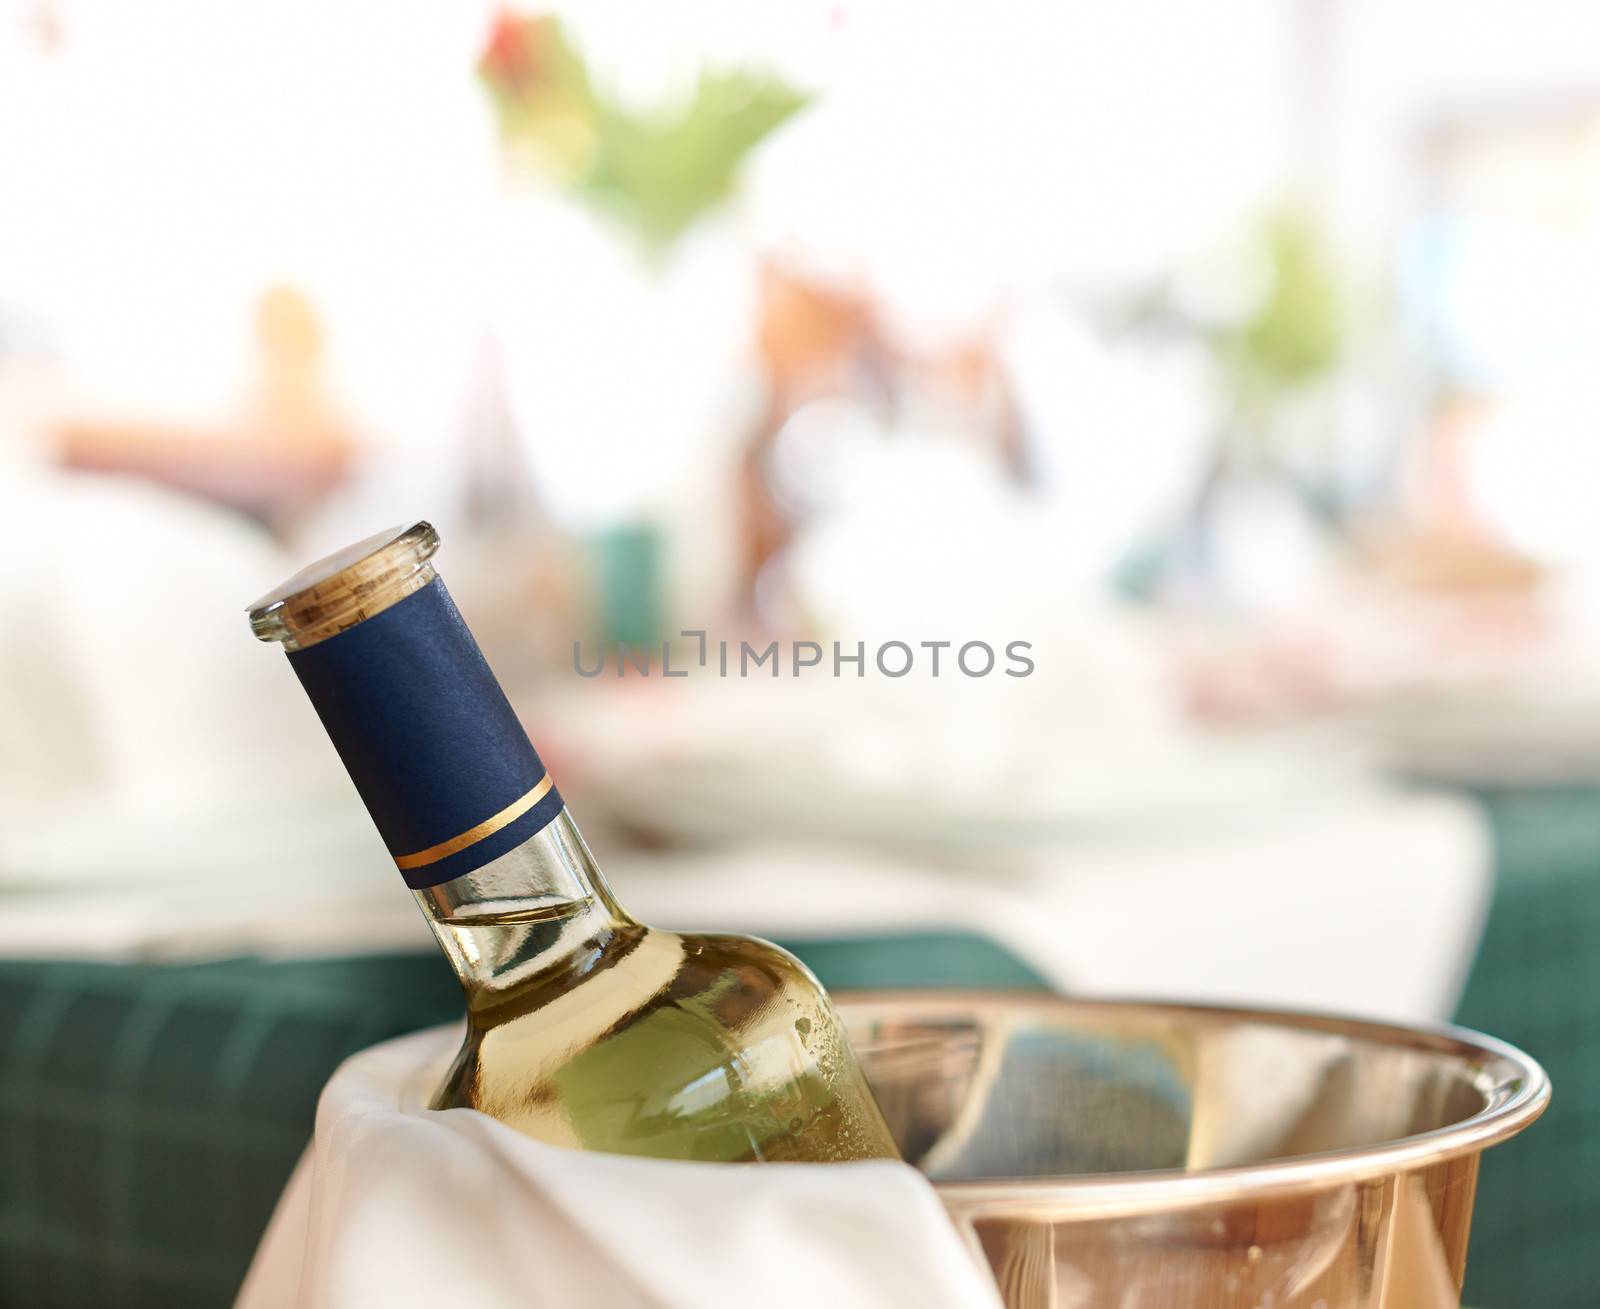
(428, 737)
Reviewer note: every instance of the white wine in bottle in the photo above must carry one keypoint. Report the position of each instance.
(584, 1027)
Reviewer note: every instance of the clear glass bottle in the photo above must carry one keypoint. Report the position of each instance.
(584, 1027)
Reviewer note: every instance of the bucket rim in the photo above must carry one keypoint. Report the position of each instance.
(1515, 1090)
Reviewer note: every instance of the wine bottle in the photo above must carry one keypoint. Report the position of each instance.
(584, 1027)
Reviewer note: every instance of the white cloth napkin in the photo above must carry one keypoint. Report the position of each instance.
(394, 1205)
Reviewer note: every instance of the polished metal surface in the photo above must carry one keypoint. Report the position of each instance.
(1137, 1156)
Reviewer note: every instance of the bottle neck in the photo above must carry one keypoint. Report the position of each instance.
(542, 907)
(437, 753)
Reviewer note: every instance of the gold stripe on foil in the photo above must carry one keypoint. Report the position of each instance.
(488, 827)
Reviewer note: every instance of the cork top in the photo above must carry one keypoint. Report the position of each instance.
(347, 587)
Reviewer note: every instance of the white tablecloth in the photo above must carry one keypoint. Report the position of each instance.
(1370, 904)
(1370, 901)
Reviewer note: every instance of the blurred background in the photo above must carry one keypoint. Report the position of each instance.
(1240, 358)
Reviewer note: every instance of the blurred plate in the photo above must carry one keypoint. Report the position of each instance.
(1516, 736)
(88, 847)
(1207, 783)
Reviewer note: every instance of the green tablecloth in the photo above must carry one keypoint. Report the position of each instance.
(150, 1114)
(1536, 983)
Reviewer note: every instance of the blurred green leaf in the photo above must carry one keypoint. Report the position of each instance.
(1295, 335)
(656, 172)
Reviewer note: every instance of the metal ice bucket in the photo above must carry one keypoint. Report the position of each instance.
(1140, 1156)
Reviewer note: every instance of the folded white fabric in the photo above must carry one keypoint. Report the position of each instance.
(395, 1205)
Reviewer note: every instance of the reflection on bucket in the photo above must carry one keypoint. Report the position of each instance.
(1127, 1156)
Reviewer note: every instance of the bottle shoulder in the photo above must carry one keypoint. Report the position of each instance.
(753, 955)
(630, 966)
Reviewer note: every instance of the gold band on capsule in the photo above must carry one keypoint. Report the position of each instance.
(488, 827)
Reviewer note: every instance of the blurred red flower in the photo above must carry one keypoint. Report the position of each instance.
(514, 56)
